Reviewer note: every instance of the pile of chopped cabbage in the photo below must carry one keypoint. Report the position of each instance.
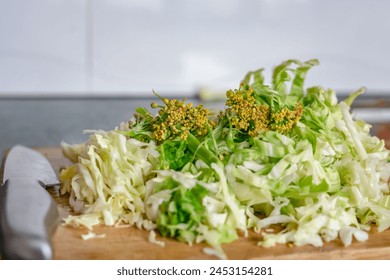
(286, 162)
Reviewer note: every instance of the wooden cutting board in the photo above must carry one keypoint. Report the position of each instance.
(132, 243)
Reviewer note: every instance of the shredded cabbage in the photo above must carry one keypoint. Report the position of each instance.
(289, 163)
(108, 179)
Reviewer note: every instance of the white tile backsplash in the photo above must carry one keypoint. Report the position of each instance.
(131, 47)
(42, 46)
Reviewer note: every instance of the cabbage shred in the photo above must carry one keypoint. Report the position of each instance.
(278, 156)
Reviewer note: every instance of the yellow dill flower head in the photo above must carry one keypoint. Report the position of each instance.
(247, 115)
(176, 119)
(284, 120)
(244, 113)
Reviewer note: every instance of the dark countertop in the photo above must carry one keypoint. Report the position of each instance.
(47, 122)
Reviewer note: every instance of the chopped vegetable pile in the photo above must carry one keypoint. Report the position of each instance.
(279, 157)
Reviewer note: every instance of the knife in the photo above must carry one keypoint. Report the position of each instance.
(28, 214)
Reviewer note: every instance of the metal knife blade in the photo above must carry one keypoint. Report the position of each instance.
(28, 214)
(23, 162)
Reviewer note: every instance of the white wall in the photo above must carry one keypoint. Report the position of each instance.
(127, 47)
(42, 46)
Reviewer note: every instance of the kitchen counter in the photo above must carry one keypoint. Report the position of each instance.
(46, 122)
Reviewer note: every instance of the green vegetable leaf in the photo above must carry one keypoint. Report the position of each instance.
(174, 154)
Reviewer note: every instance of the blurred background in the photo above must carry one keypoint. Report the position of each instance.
(69, 65)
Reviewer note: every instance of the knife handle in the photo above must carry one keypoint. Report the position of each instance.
(28, 218)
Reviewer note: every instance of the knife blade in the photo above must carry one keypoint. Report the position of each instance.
(28, 213)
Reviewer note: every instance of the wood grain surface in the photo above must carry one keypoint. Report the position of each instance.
(132, 243)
